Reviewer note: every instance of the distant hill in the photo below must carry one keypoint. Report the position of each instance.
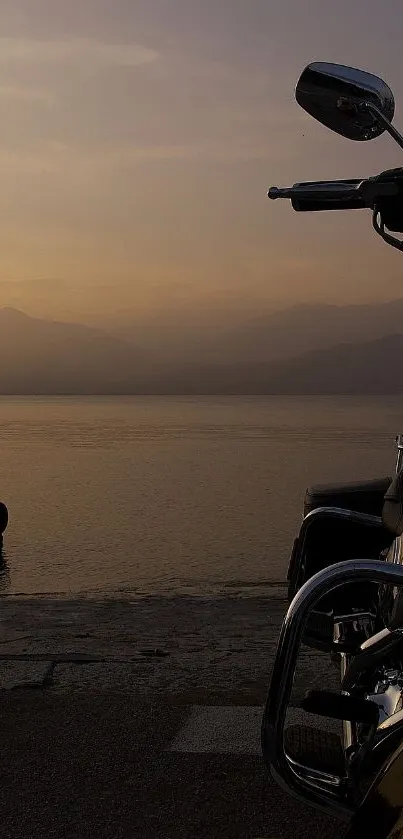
(46, 357)
(40, 356)
(373, 367)
(277, 335)
(304, 328)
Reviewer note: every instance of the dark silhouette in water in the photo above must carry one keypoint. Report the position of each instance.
(3, 520)
(5, 579)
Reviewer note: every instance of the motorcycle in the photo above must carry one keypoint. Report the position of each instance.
(346, 570)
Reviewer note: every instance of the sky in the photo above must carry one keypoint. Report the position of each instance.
(138, 140)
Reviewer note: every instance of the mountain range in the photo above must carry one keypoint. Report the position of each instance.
(302, 350)
(41, 356)
(274, 336)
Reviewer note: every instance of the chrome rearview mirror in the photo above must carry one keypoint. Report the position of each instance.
(350, 102)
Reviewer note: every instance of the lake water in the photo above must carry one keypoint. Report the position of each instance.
(166, 495)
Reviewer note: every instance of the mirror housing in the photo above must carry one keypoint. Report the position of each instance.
(336, 96)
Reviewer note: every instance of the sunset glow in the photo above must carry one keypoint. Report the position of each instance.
(137, 143)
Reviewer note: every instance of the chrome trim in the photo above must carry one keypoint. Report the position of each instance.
(399, 445)
(388, 700)
(313, 776)
(390, 730)
(337, 513)
(274, 715)
(390, 722)
(376, 639)
(340, 513)
(349, 735)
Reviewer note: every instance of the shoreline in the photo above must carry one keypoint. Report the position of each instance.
(189, 649)
(275, 589)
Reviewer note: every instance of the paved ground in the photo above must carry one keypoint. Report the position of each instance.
(102, 766)
(199, 650)
(141, 719)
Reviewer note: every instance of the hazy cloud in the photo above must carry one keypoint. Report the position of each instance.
(24, 94)
(74, 51)
(138, 141)
(52, 157)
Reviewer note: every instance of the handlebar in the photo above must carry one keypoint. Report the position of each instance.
(336, 195)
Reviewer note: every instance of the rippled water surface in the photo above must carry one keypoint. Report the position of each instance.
(173, 494)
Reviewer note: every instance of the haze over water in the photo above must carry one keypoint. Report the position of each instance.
(176, 494)
(138, 141)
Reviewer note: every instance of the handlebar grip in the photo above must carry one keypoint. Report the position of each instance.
(354, 194)
(316, 205)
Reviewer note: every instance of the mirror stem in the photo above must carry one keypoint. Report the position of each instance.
(382, 120)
